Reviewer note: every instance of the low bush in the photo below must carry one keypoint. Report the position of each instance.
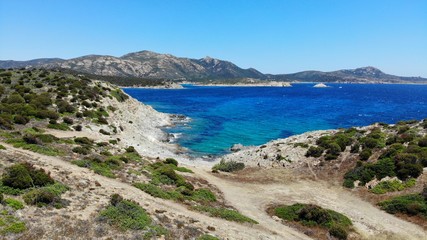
(225, 213)
(158, 192)
(13, 203)
(365, 154)
(24, 175)
(78, 128)
(40, 197)
(102, 131)
(119, 95)
(98, 166)
(203, 195)
(81, 150)
(10, 224)
(58, 126)
(207, 237)
(230, 166)
(413, 204)
(315, 151)
(19, 119)
(312, 215)
(48, 195)
(392, 186)
(83, 141)
(171, 161)
(46, 150)
(68, 120)
(422, 142)
(130, 149)
(128, 215)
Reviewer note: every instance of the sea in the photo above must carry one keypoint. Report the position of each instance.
(223, 116)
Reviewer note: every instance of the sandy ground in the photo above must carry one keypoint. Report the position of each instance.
(251, 199)
(224, 229)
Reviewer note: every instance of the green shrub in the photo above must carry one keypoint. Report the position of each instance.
(207, 237)
(59, 126)
(48, 195)
(225, 213)
(371, 143)
(424, 193)
(19, 119)
(81, 150)
(78, 128)
(338, 232)
(68, 120)
(203, 195)
(183, 169)
(130, 149)
(119, 95)
(158, 192)
(171, 161)
(5, 124)
(355, 148)
(334, 149)
(30, 139)
(365, 154)
(348, 183)
(127, 215)
(312, 215)
(2, 147)
(402, 129)
(392, 186)
(230, 166)
(324, 141)
(40, 197)
(15, 98)
(98, 166)
(13, 203)
(43, 114)
(422, 142)
(405, 171)
(329, 157)
(83, 141)
(46, 150)
(102, 120)
(10, 224)
(24, 175)
(102, 131)
(315, 151)
(413, 204)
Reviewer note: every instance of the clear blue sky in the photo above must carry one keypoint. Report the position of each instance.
(272, 36)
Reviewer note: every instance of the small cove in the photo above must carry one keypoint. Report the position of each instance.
(223, 116)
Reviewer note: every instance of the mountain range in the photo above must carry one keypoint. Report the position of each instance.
(151, 65)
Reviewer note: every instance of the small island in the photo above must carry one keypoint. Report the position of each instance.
(320, 85)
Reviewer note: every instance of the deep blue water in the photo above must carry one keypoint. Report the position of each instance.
(223, 116)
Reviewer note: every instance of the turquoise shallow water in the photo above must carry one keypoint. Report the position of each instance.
(223, 116)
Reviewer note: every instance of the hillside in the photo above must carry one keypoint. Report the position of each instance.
(144, 64)
(80, 158)
(358, 75)
(150, 66)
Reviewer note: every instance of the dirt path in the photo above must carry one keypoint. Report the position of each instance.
(224, 229)
(370, 222)
(250, 199)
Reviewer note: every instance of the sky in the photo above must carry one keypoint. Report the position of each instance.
(273, 36)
